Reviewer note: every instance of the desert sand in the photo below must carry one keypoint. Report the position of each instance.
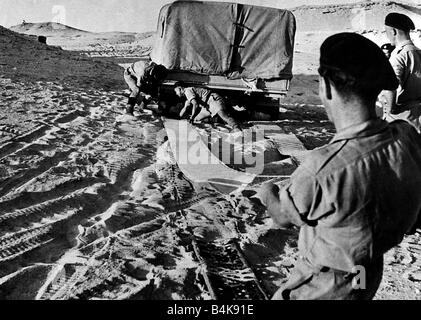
(93, 204)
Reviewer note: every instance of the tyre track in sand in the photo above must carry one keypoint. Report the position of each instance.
(68, 167)
(27, 145)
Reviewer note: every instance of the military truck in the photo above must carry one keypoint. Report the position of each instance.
(244, 52)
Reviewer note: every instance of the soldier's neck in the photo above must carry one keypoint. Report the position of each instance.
(351, 115)
(401, 39)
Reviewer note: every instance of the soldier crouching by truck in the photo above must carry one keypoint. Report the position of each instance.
(143, 79)
(203, 103)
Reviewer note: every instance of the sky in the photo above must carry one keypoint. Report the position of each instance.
(112, 15)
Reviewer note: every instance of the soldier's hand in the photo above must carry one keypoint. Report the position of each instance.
(265, 191)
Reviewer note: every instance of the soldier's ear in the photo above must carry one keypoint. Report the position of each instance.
(328, 88)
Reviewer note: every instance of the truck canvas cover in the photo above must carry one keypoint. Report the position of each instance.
(229, 39)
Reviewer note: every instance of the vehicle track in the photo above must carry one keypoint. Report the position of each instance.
(70, 280)
(174, 206)
(23, 199)
(59, 286)
(42, 166)
(12, 220)
(10, 129)
(17, 244)
(17, 142)
(118, 169)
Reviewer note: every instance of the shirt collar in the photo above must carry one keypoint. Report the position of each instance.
(403, 44)
(365, 129)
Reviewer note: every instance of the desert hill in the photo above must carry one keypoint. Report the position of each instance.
(103, 44)
(361, 16)
(47, 29)
(24, 59)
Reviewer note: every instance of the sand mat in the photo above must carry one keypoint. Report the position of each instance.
(287, 143)
(198, 163)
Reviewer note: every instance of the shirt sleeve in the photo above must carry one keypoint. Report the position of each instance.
(398, 63)
(303, 200)
(139, 70)
(190, 94)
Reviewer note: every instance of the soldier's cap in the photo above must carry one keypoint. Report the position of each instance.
(360, 60)
(399, 21)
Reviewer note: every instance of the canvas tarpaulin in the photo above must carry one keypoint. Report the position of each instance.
(195, 37)
(227, 39)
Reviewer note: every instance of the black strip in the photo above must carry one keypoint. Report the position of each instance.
(243, 26)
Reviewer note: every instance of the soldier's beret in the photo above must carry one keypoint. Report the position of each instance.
(399, 21)
(359, 59)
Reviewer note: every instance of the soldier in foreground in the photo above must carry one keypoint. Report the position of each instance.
(405, 102)
(143, 79)
(355, 198)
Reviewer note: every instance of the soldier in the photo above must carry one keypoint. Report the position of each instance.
(405, 102)
(381, 103)
(355, 198)
(143, 79)
(202, 103)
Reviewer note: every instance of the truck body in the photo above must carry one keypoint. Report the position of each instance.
(226, 46)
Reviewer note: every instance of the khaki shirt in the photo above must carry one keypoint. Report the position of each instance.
(356, 197)
(200, 94)
(139, 70)
(406, 61)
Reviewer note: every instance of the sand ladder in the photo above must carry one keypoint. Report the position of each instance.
(224, 268)
(60, 283)
(227, 273)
